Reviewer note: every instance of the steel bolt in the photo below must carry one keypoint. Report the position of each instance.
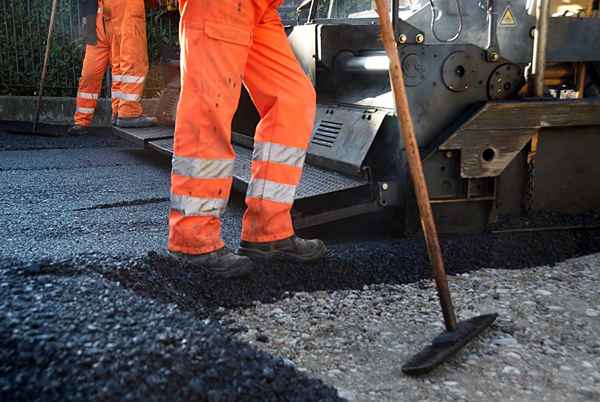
(402, 38)
(420, 38)
(385, 186)
(493, 56)
(448, 155)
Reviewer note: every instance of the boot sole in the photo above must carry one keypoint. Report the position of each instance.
(255, 254)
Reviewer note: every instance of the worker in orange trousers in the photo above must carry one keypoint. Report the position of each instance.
(226, 44)
(116, 35)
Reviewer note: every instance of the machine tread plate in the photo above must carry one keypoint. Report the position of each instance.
(141, 136)
(315, 181)
(164, 146)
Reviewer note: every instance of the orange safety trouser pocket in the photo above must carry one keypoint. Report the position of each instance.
(95, 61)
(129, 51)
(222, 45)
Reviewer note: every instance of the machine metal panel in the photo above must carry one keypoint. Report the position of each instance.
(333, 38)
(566, 177)
(513, 42)
(142, 135)
(303, 40)
(164, 146)
(343, 135)
(573, 39)
(570, 39)
(474, 22)
(434, 104)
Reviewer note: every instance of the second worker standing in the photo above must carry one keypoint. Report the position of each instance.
(115, 35)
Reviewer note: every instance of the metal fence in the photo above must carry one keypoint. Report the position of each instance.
(23, 31)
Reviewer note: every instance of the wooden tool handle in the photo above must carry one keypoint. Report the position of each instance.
(414, 162)
(45, 66)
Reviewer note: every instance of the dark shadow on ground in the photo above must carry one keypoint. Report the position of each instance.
(19, 136)
(349, 265)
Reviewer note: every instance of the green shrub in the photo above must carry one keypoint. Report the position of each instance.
(23, 32)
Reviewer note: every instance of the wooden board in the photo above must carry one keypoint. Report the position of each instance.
(495, 134)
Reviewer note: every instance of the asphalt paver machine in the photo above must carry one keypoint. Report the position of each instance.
(489, 146)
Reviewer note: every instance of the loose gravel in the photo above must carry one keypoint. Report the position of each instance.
(545, 346)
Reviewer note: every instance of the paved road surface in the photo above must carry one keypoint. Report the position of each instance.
(91, 309)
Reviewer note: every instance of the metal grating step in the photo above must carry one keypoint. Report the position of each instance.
(315, 181)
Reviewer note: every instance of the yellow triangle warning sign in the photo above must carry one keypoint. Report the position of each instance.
(508, 18)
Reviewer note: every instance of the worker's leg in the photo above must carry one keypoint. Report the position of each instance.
(90, 84)
(132, 57)
(115, 11)
(285, 100)
(115, 87)
(214, 36)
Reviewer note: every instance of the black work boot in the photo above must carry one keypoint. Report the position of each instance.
(293, 248)
(136, 122)
(222, 262)
(77, 130)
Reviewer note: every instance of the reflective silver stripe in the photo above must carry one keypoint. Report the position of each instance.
(203, 168)
(129, 79)
(270, 190)
(99, 10)
(132, 79)
(87, 95)
(127, 97)
(277, 153)
(195, 206)
(86, 110)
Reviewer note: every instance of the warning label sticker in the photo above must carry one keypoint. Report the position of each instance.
(508, 18)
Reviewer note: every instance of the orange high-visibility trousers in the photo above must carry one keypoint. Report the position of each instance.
(95, 61)
(121, 40)
(225, 44)
(127, 21)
